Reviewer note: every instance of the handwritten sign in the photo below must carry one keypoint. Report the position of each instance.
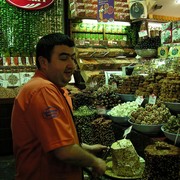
(101, 110)
(127, 131)
(152, 99)
(139, 100)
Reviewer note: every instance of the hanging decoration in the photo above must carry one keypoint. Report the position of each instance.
(105, 10)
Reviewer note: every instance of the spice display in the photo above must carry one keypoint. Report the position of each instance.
(124, 109)
(129, 84)
(151, 114)
(83, 98)
(103, 131)
(151, 85)
(162, 161)
(172, 125)
(126, 84)
(149, 43)
(170, 88)
(9, 92)
(125, 160)
(83, 117)
(106, 96)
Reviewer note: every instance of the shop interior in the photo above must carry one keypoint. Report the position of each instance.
(127, 81)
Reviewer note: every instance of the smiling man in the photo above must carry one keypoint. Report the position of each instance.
(45, 141)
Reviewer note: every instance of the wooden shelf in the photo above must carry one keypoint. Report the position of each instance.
(148, 20)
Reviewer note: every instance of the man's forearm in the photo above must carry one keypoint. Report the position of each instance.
(76, 155)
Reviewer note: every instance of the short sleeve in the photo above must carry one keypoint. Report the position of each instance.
(52, 119)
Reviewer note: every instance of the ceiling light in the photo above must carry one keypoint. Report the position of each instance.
(93, 21)
(155, 24)
(177, 1)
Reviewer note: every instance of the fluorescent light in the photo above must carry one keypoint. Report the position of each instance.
(122, 23)
(177, 1)
(154, 24)
(89, 21)
(93, 21)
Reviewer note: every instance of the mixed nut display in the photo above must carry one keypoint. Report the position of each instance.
(108, 97)
(172, 125)
(151, 114)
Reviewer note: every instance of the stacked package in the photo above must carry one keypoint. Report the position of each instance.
(89, 9)
(170, 32)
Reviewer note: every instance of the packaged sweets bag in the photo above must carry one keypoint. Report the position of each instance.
(176, 32)
(166, 34)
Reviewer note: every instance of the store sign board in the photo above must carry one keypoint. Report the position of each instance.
(31, 4)
(105, 10)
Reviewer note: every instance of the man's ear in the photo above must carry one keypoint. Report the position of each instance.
(43, 62)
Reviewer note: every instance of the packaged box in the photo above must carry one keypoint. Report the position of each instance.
(163, 52)
(13, 79)
(118, 64)
(105, 64)
(90, 1)
(174, 51)
(176, 32)
(166, 26)
(166, 36)
(91, 13)
(176, 35)
(175, 24)
(89, 75)
(89, 65)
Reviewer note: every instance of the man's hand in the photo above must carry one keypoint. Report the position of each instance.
(99, 168)
(95, 148)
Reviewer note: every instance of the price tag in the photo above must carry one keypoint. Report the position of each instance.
(177, 136)
(12, 61)
(92, 84)
(26, 77)
(124, 38)
(139, 100)
(110, 42)
(143, 33)
(81, 42)
(5, 83)
(127, 131)
(152, 99)
(101, 110)
(19, 61)
(114, 85)
(34, 60)
(27, 61)
(1, 83)
(86, 42)
(5, 63)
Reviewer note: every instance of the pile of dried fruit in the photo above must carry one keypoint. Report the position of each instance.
(106, 96)
(172, 125)
(151, 114)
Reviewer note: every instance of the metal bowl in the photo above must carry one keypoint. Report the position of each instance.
(127, 97)
(173, 107)
(171, 136)
(120, 120)
(146, 53)
(146, 128)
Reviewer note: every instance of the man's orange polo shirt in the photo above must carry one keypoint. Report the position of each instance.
(42, 122)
